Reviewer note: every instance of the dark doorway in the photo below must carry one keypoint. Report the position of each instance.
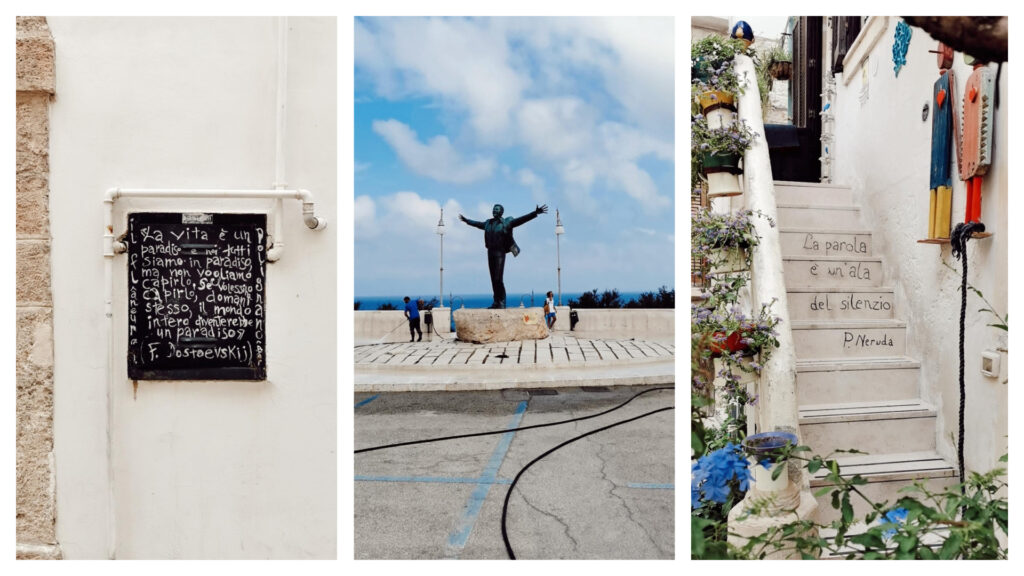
(795, 149)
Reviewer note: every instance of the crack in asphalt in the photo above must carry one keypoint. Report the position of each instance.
(565, 527)
(611, 492)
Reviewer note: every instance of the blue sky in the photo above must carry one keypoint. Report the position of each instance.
(575, 113)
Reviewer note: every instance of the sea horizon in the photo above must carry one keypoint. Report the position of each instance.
(484, 300)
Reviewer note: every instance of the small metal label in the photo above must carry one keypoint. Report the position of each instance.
(196, 218)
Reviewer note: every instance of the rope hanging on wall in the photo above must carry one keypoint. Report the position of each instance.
(958, 239)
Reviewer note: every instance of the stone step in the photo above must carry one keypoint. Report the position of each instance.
(848, 303)
(849, 339)
(872, 427)
(831, 271)
(860, 380)
(886, 475)
(812, 193)
(811, 216)
(808, 241)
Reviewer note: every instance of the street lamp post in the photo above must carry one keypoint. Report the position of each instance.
(559, 230)
(440, 232)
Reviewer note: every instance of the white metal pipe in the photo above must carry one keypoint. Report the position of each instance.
(277, 246)
(313, 222)
(282, 101)
(108, 313)
(213, 193)
(277, 233)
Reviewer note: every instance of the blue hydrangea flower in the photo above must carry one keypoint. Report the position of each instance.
(711, 475)
(894, 517)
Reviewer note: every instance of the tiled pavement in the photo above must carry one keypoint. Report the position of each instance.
(446, 364)
(554, 350)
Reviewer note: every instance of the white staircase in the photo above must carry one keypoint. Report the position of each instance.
(856, 387)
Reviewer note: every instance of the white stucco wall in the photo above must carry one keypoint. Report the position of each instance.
(882, 150)
(222, 469)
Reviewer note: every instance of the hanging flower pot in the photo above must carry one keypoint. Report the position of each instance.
(781, 69)
(720, 118)
(716, 99)
(763, 450)
(727, 344)
(729, 260)
(723, 172)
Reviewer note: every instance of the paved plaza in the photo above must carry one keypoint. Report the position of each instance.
(610, 495)
(448, 364)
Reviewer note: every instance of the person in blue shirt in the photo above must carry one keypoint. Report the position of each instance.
(412, 312)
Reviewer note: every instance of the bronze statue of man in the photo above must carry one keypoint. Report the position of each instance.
(499, 241)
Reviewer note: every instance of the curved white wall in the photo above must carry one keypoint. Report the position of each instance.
(200, 469)
(883, 151)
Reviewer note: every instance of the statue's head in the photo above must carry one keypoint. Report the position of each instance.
(498, 210)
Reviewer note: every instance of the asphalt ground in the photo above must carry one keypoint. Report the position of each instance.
(609, 495)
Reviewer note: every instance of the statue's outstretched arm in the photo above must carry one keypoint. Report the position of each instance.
(472, 223)
(527, 217)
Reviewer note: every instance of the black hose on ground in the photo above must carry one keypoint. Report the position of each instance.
(520, 429)
(504, 507)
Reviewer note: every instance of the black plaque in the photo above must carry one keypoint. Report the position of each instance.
(196, 296)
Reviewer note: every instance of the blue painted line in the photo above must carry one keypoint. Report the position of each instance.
(367, 401)
(457, 539)
(429, 479)
(651, 486)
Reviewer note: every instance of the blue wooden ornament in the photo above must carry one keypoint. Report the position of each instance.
(743, 31)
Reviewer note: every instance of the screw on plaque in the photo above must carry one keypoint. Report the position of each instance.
(924, 112)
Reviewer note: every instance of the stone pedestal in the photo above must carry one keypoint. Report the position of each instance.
(482, 326)
(761, 510)
(442, 319)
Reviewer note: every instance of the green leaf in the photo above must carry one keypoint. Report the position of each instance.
(906, 541)
(926, 553)
(697, 535)
(869, 539)
(778, 472)
(847, 509)
(951, 547)
(1004, 458)
(813, 466)
(822, 491)
(696, 443)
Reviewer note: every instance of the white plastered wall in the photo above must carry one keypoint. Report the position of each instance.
(883, 151)
(215, 469)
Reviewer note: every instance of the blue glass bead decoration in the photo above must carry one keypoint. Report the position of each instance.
(900, 45)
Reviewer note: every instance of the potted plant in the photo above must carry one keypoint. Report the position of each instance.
(719, 239)
(719, 151)
(767, 453)
(780, 64)
(715, 82)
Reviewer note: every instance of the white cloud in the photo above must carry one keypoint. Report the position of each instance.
(365, 215)
(463, 61)
(437, 159)
(556, 127)
(535, 183)
(638, 184)
(531, 81)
